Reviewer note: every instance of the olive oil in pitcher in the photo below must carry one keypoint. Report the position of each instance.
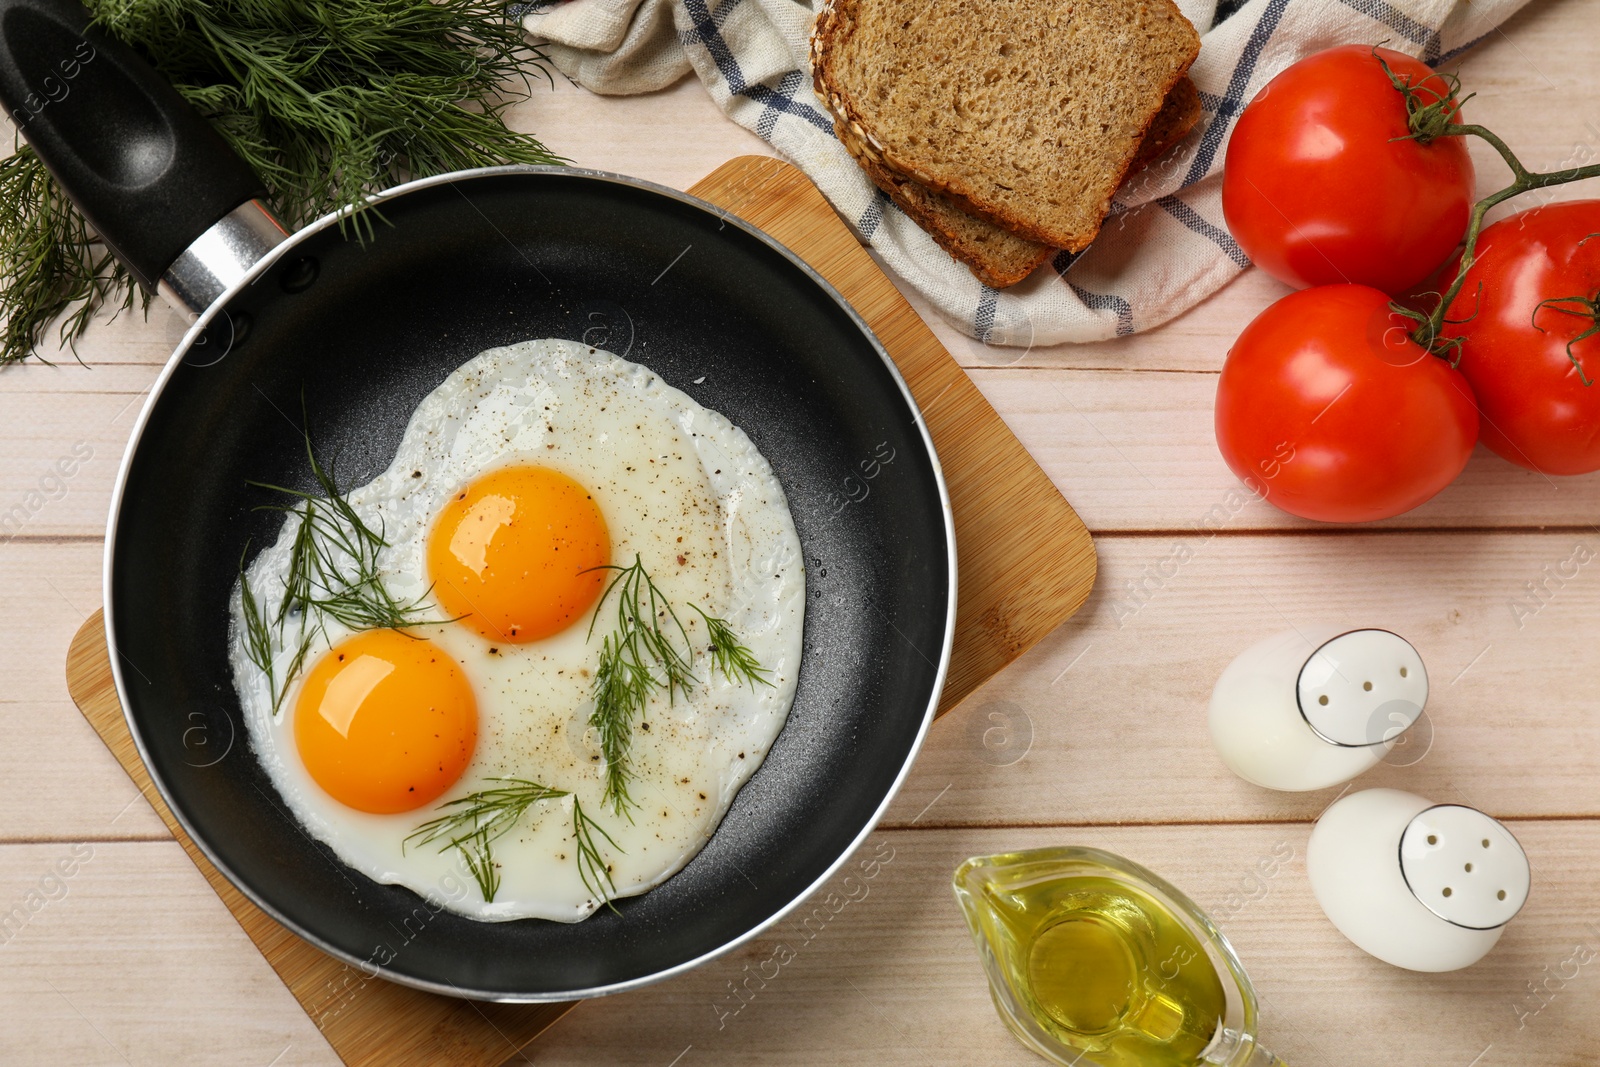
(1094, 961)
(1111, 972)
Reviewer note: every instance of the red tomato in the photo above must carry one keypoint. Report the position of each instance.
(1327, 408)
(1536, 410)
(1317, 190)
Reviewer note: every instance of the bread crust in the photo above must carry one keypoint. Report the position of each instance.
(1179, 115)
(836, 22)
(995, 272)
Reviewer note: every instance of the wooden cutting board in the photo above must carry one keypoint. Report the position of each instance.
(1026, 564)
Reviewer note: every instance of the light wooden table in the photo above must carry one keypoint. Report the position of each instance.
(132, 960)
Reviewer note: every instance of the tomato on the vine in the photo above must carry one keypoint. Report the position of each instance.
(1328, 409)
(1537, 411)
(1322, 183)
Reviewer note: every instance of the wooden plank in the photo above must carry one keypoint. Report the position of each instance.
(56, 778)
(886, 973)
(62, 458)
(624, 134)
(1105, 721)
(1137, 451)
(130, 339)
(123, 954)
(890, 977)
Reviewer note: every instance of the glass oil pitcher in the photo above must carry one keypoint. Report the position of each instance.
(1096, 962)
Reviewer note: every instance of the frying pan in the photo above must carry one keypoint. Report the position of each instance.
(363, 331)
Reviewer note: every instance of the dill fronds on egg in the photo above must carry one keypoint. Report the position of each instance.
(333, 573)
(734, 660)
(487, 814)
(257, 634)
(630, 657)
(592, 867)
(626, 674)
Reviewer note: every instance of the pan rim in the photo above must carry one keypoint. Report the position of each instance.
(449, 988)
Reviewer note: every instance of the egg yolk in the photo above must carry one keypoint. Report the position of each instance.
(516, 554)
(385, 722)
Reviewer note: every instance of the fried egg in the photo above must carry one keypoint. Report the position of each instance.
(519, 481)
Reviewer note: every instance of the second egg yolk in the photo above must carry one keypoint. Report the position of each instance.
(518, 553)
(385, 722)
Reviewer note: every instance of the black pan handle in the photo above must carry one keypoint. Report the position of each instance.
(145, 169)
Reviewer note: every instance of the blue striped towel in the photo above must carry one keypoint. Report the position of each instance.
(1164, 247)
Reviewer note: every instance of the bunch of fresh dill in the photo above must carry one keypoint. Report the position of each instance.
(329, 101)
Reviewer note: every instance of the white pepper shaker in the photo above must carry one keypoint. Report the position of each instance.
(1424, 886)
(1308, 709)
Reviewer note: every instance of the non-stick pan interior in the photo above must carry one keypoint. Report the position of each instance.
(358, 333)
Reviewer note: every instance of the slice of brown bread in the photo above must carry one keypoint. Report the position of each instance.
(1179, 114)
(997, 257)
(1026, 113)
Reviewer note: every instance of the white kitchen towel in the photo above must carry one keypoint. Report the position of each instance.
(1164, 247)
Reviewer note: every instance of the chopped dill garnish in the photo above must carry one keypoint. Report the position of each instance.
(482, 817)
(333, 573)
(637, 656)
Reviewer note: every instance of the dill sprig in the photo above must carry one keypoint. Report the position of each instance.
(257, 630)
(333, 561)
(333, 573)
(478, 820)
(642, 656)
(736, 662)
(592, 867)
(482, 817)
(327, 102)
(626, 675)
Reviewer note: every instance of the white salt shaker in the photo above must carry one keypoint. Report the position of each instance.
(1428, 887)
(1314, 708)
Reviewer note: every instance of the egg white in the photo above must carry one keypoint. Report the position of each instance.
(681, 487)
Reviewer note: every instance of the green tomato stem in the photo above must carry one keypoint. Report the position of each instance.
(1427, 334)
(1431, 114)
(1430, 327)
